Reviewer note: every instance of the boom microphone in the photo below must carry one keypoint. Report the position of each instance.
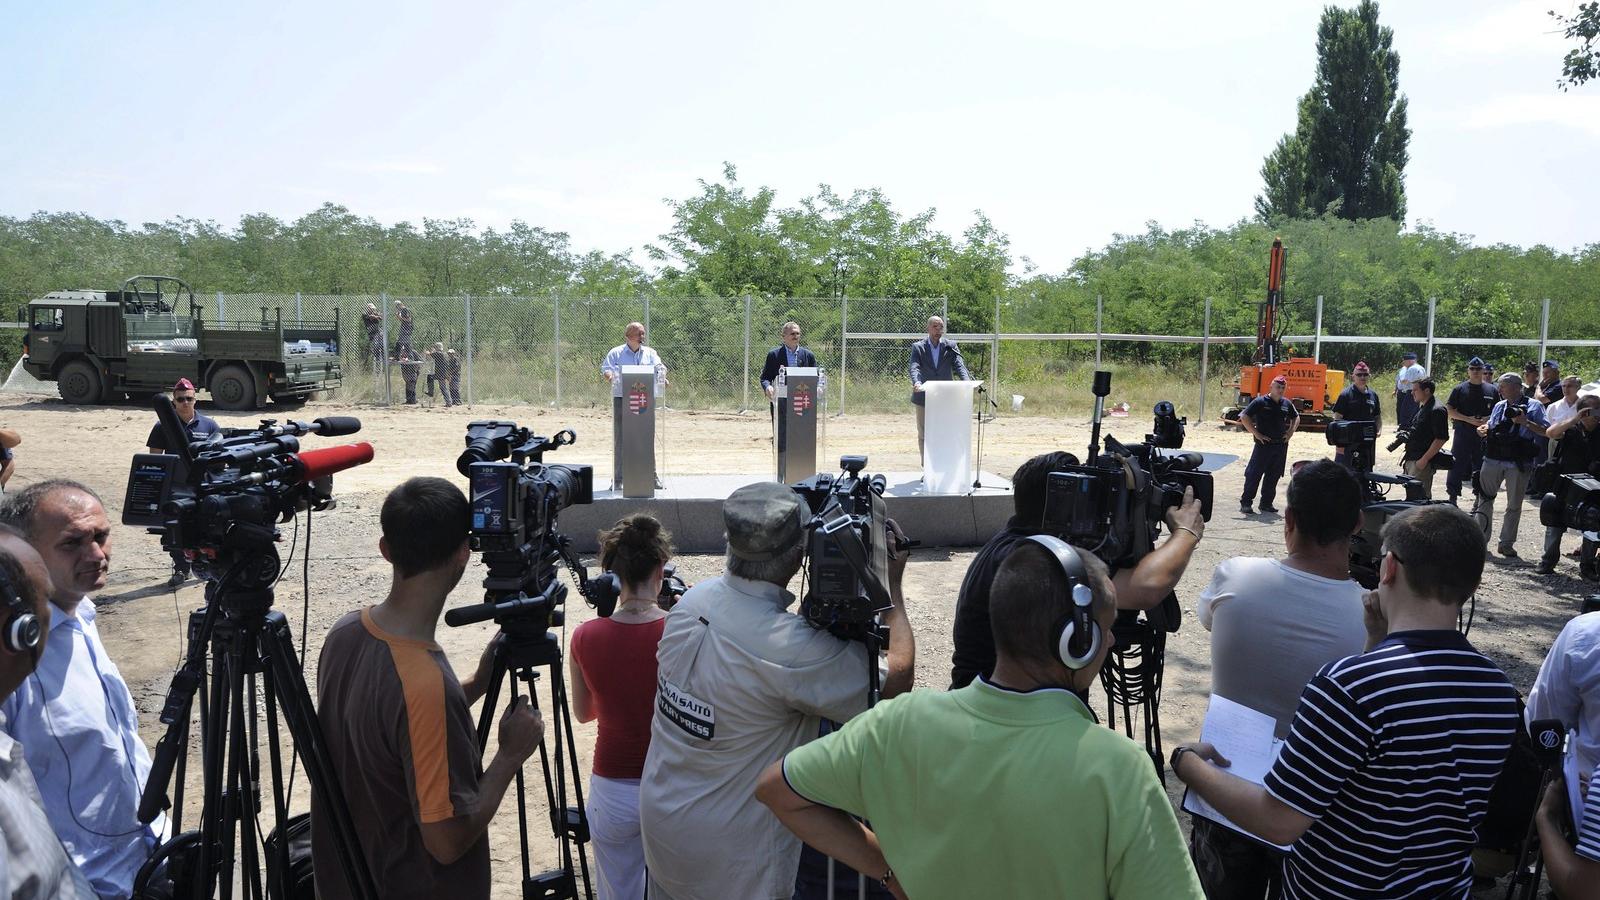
(337, 426)
(315, 464)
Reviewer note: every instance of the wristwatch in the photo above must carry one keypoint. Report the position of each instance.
(885, 878)
(1172, 761)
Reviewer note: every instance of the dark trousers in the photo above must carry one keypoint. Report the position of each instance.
(1265, 468)
(180, 563)
(455, 390)
(1232, 866)
(1468, 451)
(1405, 409)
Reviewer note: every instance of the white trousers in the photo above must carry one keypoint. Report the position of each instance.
(614, 831)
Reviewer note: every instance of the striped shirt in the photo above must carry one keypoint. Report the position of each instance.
(1589, 823)
(1393, 753)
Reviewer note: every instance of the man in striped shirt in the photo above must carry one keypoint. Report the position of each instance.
(1386, 772)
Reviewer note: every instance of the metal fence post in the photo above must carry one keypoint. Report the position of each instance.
(220, 310)
(1099, 311)
(1433, 304)
(1544, 328)
(1316, 338)
(555, 301)
(299, 310)
(745, 404)
(383, 356)
(944, 312)
(844, 345)
(994, 352)
(467, 302)
(1205, 358)
(646, 322)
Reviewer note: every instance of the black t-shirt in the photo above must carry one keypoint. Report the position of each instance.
(974, 640)
(1273, 418)
(1578, 449)
(1427, 426)
(1473, 400)
(201, 427)
(1358, 404)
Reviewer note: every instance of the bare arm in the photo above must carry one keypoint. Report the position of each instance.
(6, 471)
(582, 700)
(9, 438)
(1147, 584)
(829, 830)
(1246, 804)
(1573, 877)
(1433, 450)
(521, 730)
(902, 643)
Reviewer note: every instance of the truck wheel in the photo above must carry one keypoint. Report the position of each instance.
(289, 402)
(233, 389)
(79, 382)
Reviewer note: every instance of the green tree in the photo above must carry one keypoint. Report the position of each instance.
(1582, 63)
(1347, 154)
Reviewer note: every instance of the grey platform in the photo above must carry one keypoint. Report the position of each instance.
(690, 506)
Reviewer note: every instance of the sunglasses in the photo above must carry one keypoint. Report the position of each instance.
(182, 399)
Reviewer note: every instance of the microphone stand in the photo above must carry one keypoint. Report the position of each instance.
(977, 470)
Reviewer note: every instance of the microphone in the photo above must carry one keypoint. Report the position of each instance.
(337, 426)
(1188, 460)
(1548, 736)
(315, 464)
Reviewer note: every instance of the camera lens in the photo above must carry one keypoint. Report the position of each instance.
(478, 450)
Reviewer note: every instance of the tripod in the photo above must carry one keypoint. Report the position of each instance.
(249, 639)
(1132, 678)
(977, 469)
(520, 652)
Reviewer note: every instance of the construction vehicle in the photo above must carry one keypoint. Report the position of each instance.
(1312, 386)
(98, 346)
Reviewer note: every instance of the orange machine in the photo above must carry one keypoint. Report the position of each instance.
(1312, 387)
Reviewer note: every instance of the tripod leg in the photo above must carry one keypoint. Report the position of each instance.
(278, 866)
(560, 700)
(522, 791)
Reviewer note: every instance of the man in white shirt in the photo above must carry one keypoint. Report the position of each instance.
(1273, 624)
(632, 352)
(1405, 405)
(1563, 409)
(74, 716)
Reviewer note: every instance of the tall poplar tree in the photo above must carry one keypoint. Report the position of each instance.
(1347, 154)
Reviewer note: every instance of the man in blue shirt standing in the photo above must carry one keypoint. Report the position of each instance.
(74, 716)
(1270, 419)
(632, 352)
(199, 428)
(1511, 445)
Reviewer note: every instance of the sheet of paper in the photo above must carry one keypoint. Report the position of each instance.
(1245, 737)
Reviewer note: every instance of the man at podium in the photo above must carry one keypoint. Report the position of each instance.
(934, 358)
(632, 352)
(788, 354)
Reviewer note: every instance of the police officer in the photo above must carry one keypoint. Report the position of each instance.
(1468, 407)
(199, 428)
(1358, 403)
(1270, 419)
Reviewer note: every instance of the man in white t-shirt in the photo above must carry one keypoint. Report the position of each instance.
(1273, 624)
(1563, 409)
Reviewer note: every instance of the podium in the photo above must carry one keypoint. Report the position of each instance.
(797, 395)
(947, 443)
(635, 414)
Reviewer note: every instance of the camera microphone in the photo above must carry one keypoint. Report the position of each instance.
(315, 464)
(1547, 735)
(337, 426)
(1187, 461)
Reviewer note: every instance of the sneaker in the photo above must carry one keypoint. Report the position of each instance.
(1545, 568)
(1508, 551)
(177, 579)
(1268, 508)
(1245, 509)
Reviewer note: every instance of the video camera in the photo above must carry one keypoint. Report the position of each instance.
(1114, 505)
(847, 551)
(605, 589)
(1575, 503)
(219, 501)
(516, 498)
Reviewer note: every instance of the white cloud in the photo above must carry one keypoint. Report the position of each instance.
(1576, 111)
(1524, 27)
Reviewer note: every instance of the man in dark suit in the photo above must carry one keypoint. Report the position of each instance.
(934, 358)
(787, 355)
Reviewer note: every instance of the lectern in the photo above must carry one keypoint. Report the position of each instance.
(947, 443)
(635, 456)
(798, 396)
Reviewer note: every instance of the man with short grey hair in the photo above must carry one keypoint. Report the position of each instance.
(934, 358)
(1512, 437)
(740, 682)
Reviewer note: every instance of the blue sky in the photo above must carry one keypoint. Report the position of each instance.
(1064, 122)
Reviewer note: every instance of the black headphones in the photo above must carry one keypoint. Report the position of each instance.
(1075, 637)
(21, 633)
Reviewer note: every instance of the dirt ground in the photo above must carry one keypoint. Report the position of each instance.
(1517, 614)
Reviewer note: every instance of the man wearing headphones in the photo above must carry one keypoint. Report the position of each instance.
(1005, 787)
(74, 716)
(32, 861)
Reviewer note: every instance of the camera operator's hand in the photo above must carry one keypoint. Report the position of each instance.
(521, 730)
(1553, 805)
(1187, 517)
(1372, 616)
(899, 553)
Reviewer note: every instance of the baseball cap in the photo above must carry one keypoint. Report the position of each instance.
(1475, 363)
(1361, 369)
(1408, 355)
(183, 384)
(763, 521)
(1281, 380)
(1552, 364)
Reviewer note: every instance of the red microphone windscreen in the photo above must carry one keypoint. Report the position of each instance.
(327, 460)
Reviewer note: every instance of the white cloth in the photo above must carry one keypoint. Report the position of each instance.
(1568, 686)
(1408, 376)
(1560, 411)
(741, 682)
(614, 827)
(32, 861)
(1272, 627)
(622, 355)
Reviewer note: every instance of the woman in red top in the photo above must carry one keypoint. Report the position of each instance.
(614, 680)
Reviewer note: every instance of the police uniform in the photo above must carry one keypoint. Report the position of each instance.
(1276, 421)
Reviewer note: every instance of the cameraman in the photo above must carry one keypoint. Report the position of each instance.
(742, 681)
(1005, 787)
(1273, 624)
(1576, 440)
(1511, 444)
(1426, 436)
(1358, 402)
(613, 665)
(399, 726)
(1142, 587)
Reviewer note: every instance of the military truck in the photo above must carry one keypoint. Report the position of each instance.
(100, 345)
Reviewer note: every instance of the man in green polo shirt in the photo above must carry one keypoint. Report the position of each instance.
(1005, 787)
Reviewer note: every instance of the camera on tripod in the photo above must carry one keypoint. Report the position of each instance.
(1575, 503)
(847, 551)
(1114, 505)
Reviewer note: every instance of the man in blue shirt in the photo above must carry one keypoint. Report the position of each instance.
(1270, 419)
(74, 716)
(632, 352)
(1512, 437)
(199, 428)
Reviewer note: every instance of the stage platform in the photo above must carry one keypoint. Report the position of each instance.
(690, 506)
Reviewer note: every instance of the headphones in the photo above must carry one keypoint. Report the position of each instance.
(21, 626)
(1075, 637)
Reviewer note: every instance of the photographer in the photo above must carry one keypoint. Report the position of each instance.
(741, 682)
(1274, 624)
(399, 726)
(967, 790)
(1577, 442)
(1358, 402)
(613, 678)
(1142, 587)
(1511, 444)
(1425, 437)
(1383, 780)
(1271, 420)
(1468, 407)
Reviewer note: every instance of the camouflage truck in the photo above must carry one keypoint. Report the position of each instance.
(98, 346)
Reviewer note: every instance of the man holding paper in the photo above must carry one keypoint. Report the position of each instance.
(1273, 624)
(1386, 773)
